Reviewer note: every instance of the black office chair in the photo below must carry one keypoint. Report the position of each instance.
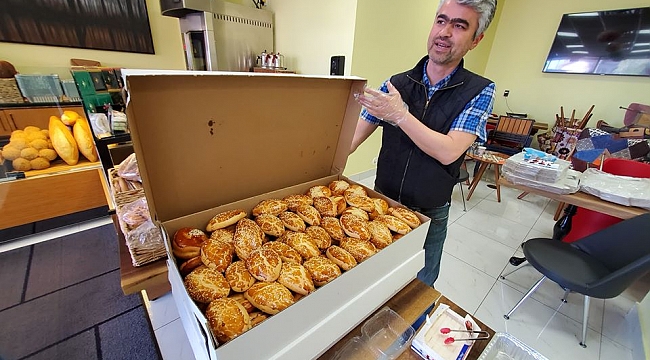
(462, 177)
(601, 265)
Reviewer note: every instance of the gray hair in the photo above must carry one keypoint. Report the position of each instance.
(485, 9)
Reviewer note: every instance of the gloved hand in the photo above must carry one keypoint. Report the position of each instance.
(387, 107)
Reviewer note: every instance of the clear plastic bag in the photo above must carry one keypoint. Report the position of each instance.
(623, 190)
(145, 244)
(134, 213)
(128, 169)
(100, 124)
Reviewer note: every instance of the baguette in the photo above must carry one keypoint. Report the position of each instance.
(84, 138)
(63, 141)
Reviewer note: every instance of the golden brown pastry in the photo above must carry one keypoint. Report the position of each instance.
(322, 270)
(341, 257)
(355, 189)
(292, 221)
(380, 234)
(286, 252)
(226, 235)
(187, 243)
(381, 208)
(264, 264)
(39, 163)
(394, 224)
(320, 236)
(308, 214)
(204, 284)
(333, 228)
(296, 278)
(248, 237)
(295, 200)
(48, 154)
(358, 212)
(270, 297)
(270, 224)
(360, 249)
(63, 141)
(325, 206)
(340, 203)
(338, 187)
(241, 299)
(362, 202)
(355, 226)
(319, 191)
(406, 215)
(303, 244)
(397, 236)
(84, 138)
(217, 254)
(188, 265)
(227, 319)
(225, 219)
(238, 276)
(270, 206)
(257, 317)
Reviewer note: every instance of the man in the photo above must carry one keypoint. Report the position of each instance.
(434, 113)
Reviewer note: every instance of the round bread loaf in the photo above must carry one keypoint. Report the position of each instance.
(257, 317)
(355, 189)
(394, 224)
(333, 228)
(204, 284)
(225, 234)
(292, 221)
(270, 206)
(362, 202)
(227, 319)
(241, 299)
(340, 203)
(322, 270)
(270, 224)
(296, 278)
(303, 244)
(360, 249)
(381, 206)
(319, 191)
(308, 214)
(320, 236)
(270, 297)
(355, 226)
(238, 276)
(217, 254)
(189, 265)
(187, 243)
(405, 215)
(380, 234)
(225, 219)
(358, 212)
(325, 206)
(295, 200)
(286, 252)
(264, 264)
(338, 187)
(341, 257)
(248, 237)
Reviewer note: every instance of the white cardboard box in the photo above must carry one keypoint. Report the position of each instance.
(208, 142)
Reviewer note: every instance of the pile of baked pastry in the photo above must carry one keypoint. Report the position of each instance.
(250, 268)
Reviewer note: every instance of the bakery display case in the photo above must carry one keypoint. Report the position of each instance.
(246, 138)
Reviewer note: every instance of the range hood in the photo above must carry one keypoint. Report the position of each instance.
(220, 35)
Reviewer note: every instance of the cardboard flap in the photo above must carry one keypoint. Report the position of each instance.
(203, 139)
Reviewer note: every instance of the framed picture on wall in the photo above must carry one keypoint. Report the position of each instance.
(118, 25)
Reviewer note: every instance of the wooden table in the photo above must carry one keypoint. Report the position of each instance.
(410, 303)
(487, 158)
(583, 200)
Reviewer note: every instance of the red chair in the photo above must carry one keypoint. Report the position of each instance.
(586, 222)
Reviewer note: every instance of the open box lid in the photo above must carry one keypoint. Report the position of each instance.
(203, 139)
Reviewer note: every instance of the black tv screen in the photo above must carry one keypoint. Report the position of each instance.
(610, 42)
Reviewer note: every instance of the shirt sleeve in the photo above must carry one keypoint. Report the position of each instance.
(473, 118)
(365, 115)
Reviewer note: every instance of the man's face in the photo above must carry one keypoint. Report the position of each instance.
(452, 34)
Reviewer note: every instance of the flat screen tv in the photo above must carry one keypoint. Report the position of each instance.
(610, 42)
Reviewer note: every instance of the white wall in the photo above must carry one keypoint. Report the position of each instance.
(310, 32)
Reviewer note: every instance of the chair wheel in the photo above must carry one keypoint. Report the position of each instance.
(583, 345)
(502, 277)
(506, 317)
(516, 261)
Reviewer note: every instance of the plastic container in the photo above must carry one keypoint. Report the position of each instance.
(384, 336)
(504, 346)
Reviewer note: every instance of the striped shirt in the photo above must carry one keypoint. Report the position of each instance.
(472, 119)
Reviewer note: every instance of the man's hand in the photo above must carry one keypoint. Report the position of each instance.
(387, 107)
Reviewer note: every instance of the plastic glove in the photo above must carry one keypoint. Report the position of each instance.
(387, 107)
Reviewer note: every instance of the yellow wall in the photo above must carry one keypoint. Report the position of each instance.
(50, 59)
(309, 33)
(477, 59)
(523, 39)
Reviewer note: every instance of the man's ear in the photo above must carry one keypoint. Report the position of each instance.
(477, 40)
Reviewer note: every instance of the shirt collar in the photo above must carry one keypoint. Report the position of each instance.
(440, 84)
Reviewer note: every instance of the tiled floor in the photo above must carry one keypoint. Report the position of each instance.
(478, 246)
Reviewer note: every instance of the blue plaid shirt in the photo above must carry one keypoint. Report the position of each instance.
(472, 119)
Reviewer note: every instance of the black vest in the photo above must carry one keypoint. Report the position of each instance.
(404, 172)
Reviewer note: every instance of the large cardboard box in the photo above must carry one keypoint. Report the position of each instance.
(210, 142)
